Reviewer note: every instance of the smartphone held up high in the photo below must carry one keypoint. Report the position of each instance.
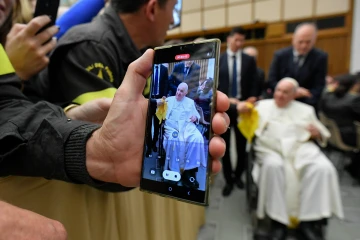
(182, 102)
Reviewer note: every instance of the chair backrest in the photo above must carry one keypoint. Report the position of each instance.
(335, 138)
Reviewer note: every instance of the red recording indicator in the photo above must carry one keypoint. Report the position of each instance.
(182, 56)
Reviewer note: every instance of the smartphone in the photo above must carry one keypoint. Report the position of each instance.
(182, 103)
(49, 8)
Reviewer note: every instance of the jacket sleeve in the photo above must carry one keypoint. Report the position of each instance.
(78, 75)
(319, 80)
(274, 72)
(254, 78)
(38, 140)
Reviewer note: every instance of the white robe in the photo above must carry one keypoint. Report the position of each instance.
(295, 178)
(183, 142)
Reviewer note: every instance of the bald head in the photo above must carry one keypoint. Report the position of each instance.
(251, 51)
(285, 91)
(304, 38)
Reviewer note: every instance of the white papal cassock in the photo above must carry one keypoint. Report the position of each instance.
(183, 142)
(295, 178)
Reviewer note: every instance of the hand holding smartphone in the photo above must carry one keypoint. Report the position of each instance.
(49, 8)
(176, 160)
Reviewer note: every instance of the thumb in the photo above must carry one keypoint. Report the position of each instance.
(136, 75)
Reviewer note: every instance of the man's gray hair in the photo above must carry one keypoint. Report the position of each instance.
(289, 80)
(311, 24)
(185, 85)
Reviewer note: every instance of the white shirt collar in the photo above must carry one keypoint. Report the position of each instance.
(231, 53)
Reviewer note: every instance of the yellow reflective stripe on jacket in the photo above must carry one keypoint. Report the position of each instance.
(5, 64)
(85, 97)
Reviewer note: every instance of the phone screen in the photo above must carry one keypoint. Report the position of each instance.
(182, 101)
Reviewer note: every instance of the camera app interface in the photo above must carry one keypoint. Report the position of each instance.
(179, 117)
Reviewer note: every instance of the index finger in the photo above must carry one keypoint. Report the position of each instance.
(36, 24)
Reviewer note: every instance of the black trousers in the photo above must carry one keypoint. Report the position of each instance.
(230, 175)
(151, 141)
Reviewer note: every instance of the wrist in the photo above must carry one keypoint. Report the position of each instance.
(95, 156)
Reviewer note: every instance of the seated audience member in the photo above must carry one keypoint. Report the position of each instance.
(187, 72)
(303, 62)
(39, 140)
(204, 98)
(183, 142)
(343, 106)
(289, 160)
(331, 84)
(253, 52)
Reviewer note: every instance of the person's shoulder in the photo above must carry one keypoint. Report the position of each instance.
(302, 107)
(283, 51)
(171, 98)
(188, 100)
(265, 103)
(319, 53)
(247, 57)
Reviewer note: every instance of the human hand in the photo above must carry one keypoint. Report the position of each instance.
(303, 92)
(233, 101)
(114, 152)
(94, 111)
(315, 133)
(20, 224)
(193, 119)
(251, 100)
(28, 50)
(242, 107)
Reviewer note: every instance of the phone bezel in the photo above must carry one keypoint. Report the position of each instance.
(197, 197)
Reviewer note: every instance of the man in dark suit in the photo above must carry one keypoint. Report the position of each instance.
(238, 79)
(303, 62)
(253, 52)
(159, 89)
(187, 72)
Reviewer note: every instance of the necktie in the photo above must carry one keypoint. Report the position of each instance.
(186, 71)
(156, 85)
(234, 79)
(298, 62)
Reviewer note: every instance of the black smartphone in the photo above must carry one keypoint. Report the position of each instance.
(49, 8)
(182, 103)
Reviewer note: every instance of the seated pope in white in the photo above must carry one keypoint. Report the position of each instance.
(294, 177)
(183, 142)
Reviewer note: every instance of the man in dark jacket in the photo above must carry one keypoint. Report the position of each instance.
(238, 79)
(303, 62)
(187, 72)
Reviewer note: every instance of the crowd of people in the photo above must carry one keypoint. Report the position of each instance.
(74, 109)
